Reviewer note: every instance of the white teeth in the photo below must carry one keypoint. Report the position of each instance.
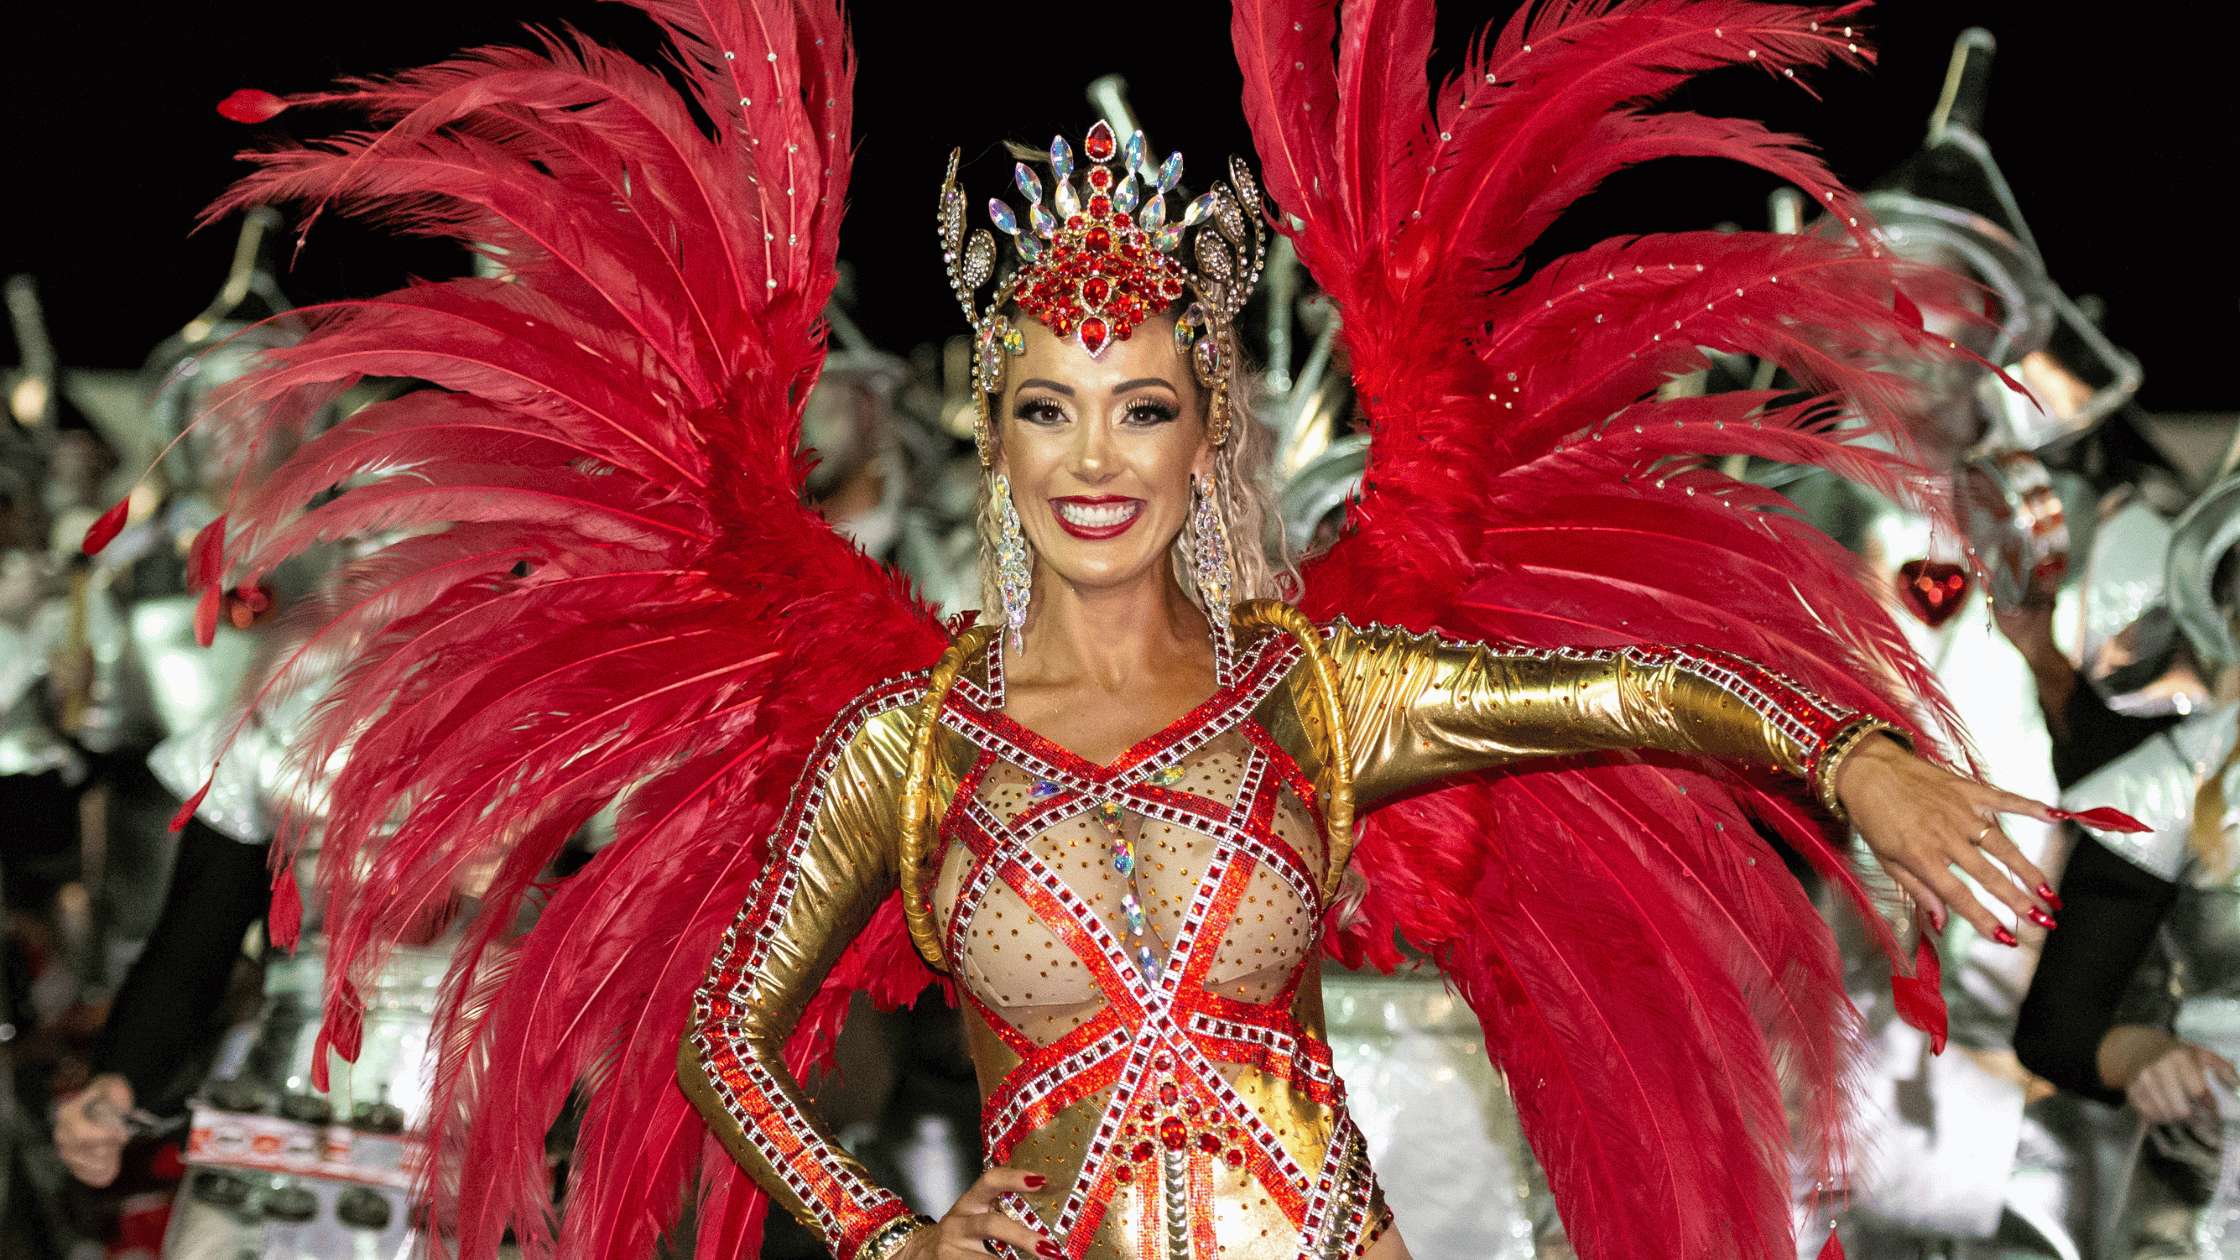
(1099, 515)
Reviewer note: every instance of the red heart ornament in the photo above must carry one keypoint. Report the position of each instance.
(1933, 589)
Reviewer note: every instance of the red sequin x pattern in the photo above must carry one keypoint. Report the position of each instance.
(1159, 1044)
(1100, 278)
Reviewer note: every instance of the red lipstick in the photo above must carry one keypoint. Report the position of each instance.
(1100, 516)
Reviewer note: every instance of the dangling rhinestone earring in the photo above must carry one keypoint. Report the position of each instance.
(1209, 552)
(1014, 576)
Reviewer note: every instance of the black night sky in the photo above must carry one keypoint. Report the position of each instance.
(2117, 132)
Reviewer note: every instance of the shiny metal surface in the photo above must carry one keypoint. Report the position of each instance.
(2157, 783)
(2202, 537)
(2014, 521)
(1441, 1127)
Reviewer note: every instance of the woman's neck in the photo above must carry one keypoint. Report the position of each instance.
(1109, 638)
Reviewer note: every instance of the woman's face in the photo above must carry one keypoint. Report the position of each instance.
(1100, 451)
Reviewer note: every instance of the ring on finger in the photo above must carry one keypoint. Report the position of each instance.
(1984, 834)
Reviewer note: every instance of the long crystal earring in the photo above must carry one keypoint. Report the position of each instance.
(1209, 551)
(1014, 575)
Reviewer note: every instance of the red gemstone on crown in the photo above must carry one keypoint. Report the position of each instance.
(1100, 207)
(1168, 1094)
(1095, 292)
(1098, 145)
(1235, 1158)
(1208, 1143)
(1142, 1152)
(1097, 240)
(1172, 1134)
(1094, 333)
(1100, 177)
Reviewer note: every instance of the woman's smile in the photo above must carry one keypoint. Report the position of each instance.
(1095, 516)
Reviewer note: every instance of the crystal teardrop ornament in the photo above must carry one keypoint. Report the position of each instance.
(1044, 223)
(1029, 248)
(1166, 238)
(1013, 342)
(979, 259)
(1061, 157)
(1213, 257)
(1132, 155)
(1148, 965)
(1069, 202)
(1098, 145)
(1000, 214)
(1028, 183)
(1198, 209)
(1108, 813)
(1167, 776)
(1124, 197)
(1042, 790)
(1153, 214)
(1170, 172)
(1134, 910)
(1123, 859)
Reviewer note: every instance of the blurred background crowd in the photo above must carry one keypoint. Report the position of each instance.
(156, 1092)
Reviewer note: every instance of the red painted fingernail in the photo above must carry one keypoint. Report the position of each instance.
(2049, 896)
(1049, 1249)
(1035, 1182)
(2004, 937)
(2040, 917)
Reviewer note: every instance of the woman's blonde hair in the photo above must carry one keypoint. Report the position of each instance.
(1259, 554)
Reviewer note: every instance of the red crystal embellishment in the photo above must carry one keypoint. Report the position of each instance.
(1100, 178)
(1172, 1134)
(1933, 590)
(1095, 292)
(1094, 334)
(1098, 144)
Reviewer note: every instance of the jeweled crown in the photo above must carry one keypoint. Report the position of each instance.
(1107, 259)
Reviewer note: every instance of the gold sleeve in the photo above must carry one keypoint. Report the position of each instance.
(1418, 707)
(831, 864)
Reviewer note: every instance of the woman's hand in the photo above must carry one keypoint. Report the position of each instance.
(976, 1221)
(1920, 821)
(2171, 1077)
(90, 1131)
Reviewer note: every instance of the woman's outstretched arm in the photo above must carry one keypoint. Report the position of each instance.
(1419, 708)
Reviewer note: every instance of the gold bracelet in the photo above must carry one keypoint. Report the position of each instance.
(1831, 759)
(888, 1238)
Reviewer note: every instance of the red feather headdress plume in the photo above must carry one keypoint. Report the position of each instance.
(1650, 977)
(601, 581)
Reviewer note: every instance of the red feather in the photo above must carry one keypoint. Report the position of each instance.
(1647, 972)
(248, 105)
(286, 916)
(603, 577)
(105, 528)
(185, 813)
(1920, 996)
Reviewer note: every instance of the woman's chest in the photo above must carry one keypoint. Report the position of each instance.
(1066, 888)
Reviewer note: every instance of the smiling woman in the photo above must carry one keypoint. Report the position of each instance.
(1540, 704)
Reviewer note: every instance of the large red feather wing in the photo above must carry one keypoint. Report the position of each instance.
(598, 580)
(1650, 977)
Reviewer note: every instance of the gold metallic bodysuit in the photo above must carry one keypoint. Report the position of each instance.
(1135, 944)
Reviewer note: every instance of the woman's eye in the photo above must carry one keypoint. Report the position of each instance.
(1040, 411)
(1150, 413)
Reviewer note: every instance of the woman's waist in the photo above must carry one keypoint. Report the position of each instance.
(1272, 1166)
(1203, 1061)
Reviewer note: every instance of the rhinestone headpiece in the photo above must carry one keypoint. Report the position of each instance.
(1107, 260)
